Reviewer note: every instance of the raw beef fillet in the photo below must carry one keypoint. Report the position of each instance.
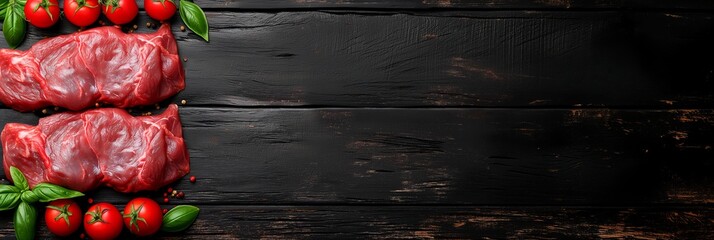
(100, 65)
(106, 146)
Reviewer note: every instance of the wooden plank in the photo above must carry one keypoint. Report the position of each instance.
(409, 4)
(444, 156)
(454, 4)
(311, 222)
(523, 59)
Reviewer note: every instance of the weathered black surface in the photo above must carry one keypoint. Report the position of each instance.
(445, 119)
(480, 58)
(394, 222)
(271, 5)
(445, 156)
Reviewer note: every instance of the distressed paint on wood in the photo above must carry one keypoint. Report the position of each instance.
(453, 59)
(277, 5)
(445, 156)
(433, 222)
(351, 118)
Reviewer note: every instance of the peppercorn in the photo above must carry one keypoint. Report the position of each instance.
(192, 179)
(166, 200)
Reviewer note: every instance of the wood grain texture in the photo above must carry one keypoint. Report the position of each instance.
(444, 156)
(408, 4)
(330, 222)
(384, 59)
(453, 4)
(516, 119)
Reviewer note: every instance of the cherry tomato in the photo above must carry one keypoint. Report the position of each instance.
(42, 13)
(143, 216)
(120, 11)
(81, 13)
(63, 217)
(103, 221)
(160, 9)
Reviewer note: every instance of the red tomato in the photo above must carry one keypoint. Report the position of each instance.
(63, 217)
(160, 9)
(42, 13)
(103, 221)
(81, 13)
(120, 11)
(143, 216)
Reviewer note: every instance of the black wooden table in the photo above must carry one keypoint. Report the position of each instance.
(518, 119)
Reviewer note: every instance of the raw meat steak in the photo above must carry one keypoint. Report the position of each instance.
(100, 65)
(106, 146)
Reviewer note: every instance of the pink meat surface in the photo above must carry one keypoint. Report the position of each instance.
(106, 146)
(100, 65)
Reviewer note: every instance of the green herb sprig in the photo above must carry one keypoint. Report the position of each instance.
(179, 218)
(21, 197)
(194, 18)
(14, 26)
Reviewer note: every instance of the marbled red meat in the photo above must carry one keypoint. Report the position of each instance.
(105, 146)
(100, 65)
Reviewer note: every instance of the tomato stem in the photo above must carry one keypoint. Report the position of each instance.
(81, 4)
(97, 215)
(134, 217)
(45, 4)
(163, 2)
(64, 213)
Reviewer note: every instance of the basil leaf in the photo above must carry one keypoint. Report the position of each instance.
(17, 177)
(9, 200)
(47, 192)
(14, 26)
(8, 189)
(3, 5)
(25, 218)
(194, 17)
(29, 197)
(179, 218)
(9, 197)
